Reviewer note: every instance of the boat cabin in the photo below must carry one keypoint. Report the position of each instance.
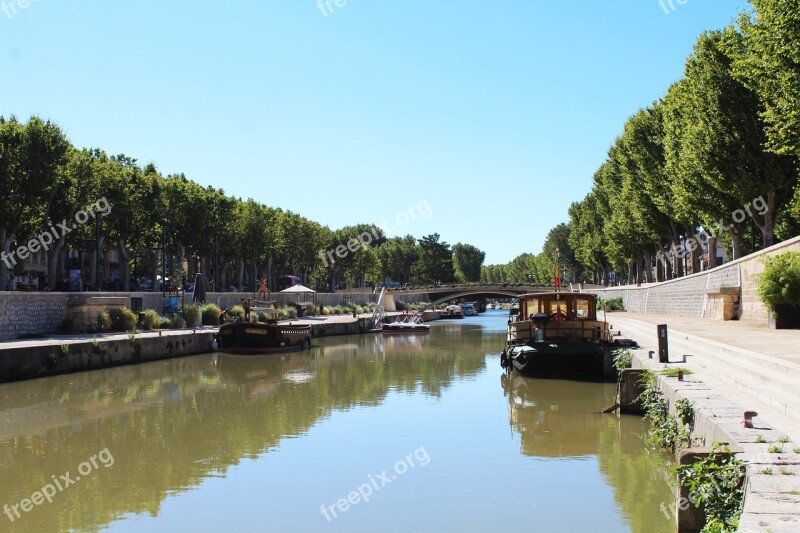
(548, 316)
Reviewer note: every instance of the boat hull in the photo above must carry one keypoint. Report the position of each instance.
(561, 359)
(246, 338)
(388, 328)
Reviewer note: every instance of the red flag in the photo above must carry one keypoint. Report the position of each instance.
(556, 281)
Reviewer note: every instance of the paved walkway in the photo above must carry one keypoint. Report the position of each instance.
(747, 335)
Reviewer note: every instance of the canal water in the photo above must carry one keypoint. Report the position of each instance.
(361, 433)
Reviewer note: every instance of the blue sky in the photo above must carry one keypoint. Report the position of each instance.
(495, 114)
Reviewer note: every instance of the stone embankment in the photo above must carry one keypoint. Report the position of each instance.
(769, 448)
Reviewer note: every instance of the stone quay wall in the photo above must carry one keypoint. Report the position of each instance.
(697, 295)
(28, 314)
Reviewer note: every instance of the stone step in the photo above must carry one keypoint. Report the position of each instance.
(766, 379)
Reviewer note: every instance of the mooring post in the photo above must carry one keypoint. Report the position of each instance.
(663, 347)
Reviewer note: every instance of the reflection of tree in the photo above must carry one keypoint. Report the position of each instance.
(171, 424)
(639, 474)
(558, 418)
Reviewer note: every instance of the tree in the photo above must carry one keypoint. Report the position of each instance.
(467, 261)
(768, 62)
(31, 156)
(435, 263)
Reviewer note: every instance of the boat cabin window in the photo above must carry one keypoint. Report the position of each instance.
(531, 308)
(582, 308)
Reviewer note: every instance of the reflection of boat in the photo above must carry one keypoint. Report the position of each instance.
(407, 323)
(556, 418)
(558, 334)
(263, 338)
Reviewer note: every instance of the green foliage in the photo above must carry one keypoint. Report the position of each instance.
(467, 261)
(98, 347)
(164, 323)
(210, 314)
(65, 350)
(779, 284)
(775, 449)
(150, 320)
(672, 432)
(622, 359)
(614, 304)
(672, 372)
(236, 311)
(190, 314)
(177, 321)
(263, 317)
(103, 322)
(717, 482)
(122, 319)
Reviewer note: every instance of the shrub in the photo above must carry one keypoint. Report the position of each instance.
(103, 322)
(177, 321)
(236, 311)
(164, 323)
(718, 480)
(779, 284)
(150, 320)
(622, 359)
(287, 313)
(190, 314)
(309, 309)
(210, 314)
(326, 311)
(122, 319)
(263, 317)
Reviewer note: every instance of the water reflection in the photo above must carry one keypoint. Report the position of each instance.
(563, 419)
(173, 425)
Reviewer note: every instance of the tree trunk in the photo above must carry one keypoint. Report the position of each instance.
(648, 267)
(124, 266)
(712, 252)
(5, 246)
(53, 255)
(736, 239)
(240, 265)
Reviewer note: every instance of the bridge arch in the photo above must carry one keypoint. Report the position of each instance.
(475, 292)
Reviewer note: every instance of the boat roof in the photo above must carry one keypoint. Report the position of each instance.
(560, 295)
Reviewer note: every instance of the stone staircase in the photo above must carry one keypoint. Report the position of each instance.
(769, 380)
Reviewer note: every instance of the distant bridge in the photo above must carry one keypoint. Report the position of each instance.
(439, 295)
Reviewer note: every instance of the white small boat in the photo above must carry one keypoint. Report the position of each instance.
(407, 323)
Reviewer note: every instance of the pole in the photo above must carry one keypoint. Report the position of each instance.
(163, 261)
(216, 261)
(97, 253)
